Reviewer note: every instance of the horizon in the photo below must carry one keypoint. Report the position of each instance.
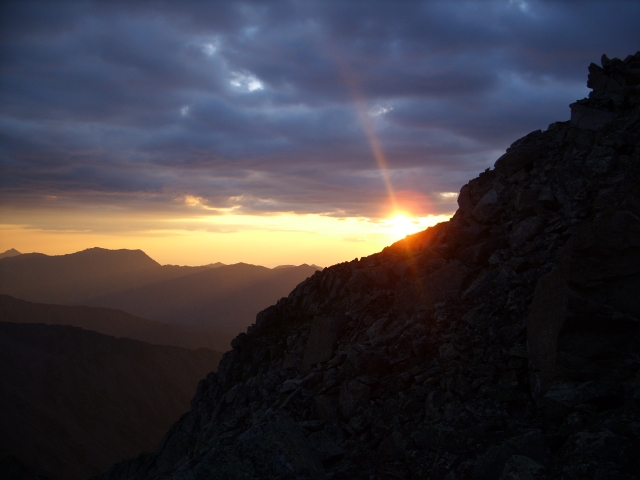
(274, 134)
(164, 264)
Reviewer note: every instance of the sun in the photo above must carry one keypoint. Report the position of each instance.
(400, 225)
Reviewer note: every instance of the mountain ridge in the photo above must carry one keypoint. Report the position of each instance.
(219, 300)
(107, 321)
(501, 344)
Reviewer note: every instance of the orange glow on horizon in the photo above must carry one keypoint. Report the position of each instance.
(228, 238)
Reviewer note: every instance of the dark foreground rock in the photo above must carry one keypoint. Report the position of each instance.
(504, 343)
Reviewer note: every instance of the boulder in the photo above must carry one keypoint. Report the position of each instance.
(525, 231)
(543, 327)
(519, 467)
(444, 284)
(323, 338)
(487, 208)
(589, 118)
(492, 464)
(353, 394)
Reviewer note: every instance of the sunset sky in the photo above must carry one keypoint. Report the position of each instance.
(273, 132)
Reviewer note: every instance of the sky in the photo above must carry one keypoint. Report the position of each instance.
(273, 132)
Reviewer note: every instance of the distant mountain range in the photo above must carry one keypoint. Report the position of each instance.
(104, 320)
(72, 279)
(75, 400)
(72, 401)
(215, 299)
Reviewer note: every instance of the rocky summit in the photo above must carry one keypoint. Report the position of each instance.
(503, 344)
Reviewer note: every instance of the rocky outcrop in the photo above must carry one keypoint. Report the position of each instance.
(501, 344)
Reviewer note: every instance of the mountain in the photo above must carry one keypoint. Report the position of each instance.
(73, 278)
(104, 320)
(303, 265)
(223, 300)
(216, 300)
(502, 344)
(72, 401)
(10, 253)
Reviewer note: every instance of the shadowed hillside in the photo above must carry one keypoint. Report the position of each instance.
(223, 301)
(72, 401)
(104, 320)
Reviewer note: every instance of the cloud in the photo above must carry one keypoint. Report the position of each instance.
(135, 105)
(246, 80)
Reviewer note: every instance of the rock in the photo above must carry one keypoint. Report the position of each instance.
(375, 330)
(324, 335)
(547, 199)
(493, 463)
(324, 447)
(326, 407)
(525, 231)
(487, 208)
(239, 340)
(521, 154)
(353, 394)
(289, 386)
(275, 449)
(590, 118)
(447, 351)
(392, 447)
(545, 321)
(602, 160)
(444, 284)
(519, 467)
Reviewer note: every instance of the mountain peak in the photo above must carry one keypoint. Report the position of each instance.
(10, 253)
(295, 266)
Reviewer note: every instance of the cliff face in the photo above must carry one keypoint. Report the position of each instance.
(501, 344)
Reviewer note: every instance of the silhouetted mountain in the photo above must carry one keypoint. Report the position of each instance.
(303, 265)
(219, 300)
(10, 253)
(72, 401)
(72, 279)
(502, 344)
(223, 300)
(104, 320)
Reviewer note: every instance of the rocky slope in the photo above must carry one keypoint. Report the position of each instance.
(501, 344)
(73, 402)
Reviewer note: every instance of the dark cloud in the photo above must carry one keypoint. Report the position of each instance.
(272, 106)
